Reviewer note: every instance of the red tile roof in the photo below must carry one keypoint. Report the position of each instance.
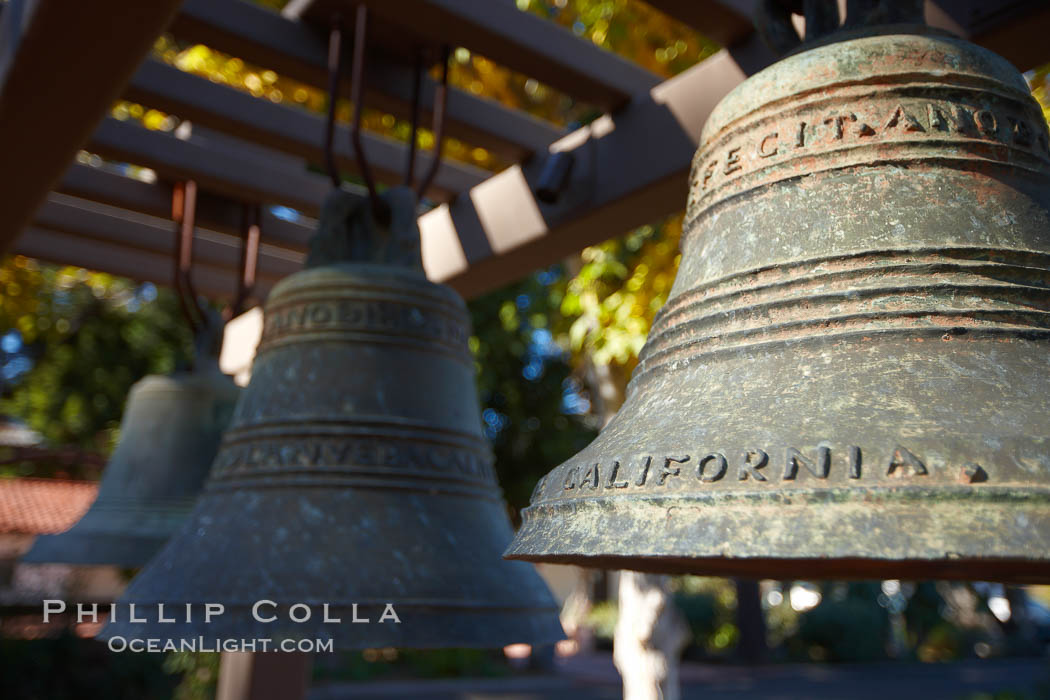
(43, 506)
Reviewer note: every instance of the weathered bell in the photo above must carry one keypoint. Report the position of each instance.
(851, 377)
(168, 438)
(354, 483)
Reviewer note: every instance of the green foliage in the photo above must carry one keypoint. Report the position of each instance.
(709, 607)
(631, 29)
(85, 338)
(933, 637)
(602, 619)
(851, 627)
(522, 382)
(446, 663)
(609, 304)
(199, 673)
(1039, 82)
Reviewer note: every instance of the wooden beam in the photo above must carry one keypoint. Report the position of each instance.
(109, 225)
(299, 52)
(71, 231)
(285, 128)
(144, 266)
(630, 169)
(499, 31)
(61, 67)
(154, 199)
(218, 164)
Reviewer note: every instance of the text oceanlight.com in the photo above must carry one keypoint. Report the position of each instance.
(263, 611)
(119, 644)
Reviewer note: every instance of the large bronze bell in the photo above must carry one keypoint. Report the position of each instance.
(851, 377)
(168, 438)
(354, 483)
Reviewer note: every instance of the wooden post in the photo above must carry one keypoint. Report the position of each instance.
(62, 65)
(650, 636)
(750, 621)
(245, 675)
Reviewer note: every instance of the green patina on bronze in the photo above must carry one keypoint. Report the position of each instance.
(168, 437)
(354, 473)
(851, 377)
(347, 231)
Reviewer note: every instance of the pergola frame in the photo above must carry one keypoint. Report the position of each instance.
(629, 166)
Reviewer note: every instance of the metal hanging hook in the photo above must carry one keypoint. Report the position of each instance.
(417, 84)
(440, 104)
(335, 61)
(184, 213)
(357, 89)
(357, 80)
(250, 234)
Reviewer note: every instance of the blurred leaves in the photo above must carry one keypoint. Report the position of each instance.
(1039, 82)
(850, 626)
(199, 671)
(527, 393)
(609, 305)
(709, 607)
(77, 343)
(631, 29)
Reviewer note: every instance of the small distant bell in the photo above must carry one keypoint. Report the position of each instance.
(168, 438)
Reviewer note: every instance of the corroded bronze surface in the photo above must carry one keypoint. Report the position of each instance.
(851, 376)
(168, 438)
(355, 473)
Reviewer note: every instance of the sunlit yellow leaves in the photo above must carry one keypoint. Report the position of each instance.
(254, 84)
(196, 59)
(156, 120)
(631, 29)
(611, 300)
(264, 83)
(1039, 81)
(508, 316)
(150, 118)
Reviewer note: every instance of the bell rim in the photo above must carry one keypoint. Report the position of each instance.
(1011, 570)
(953, 541)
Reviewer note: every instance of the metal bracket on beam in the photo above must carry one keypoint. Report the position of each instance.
(249, 260)
(184, 213)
